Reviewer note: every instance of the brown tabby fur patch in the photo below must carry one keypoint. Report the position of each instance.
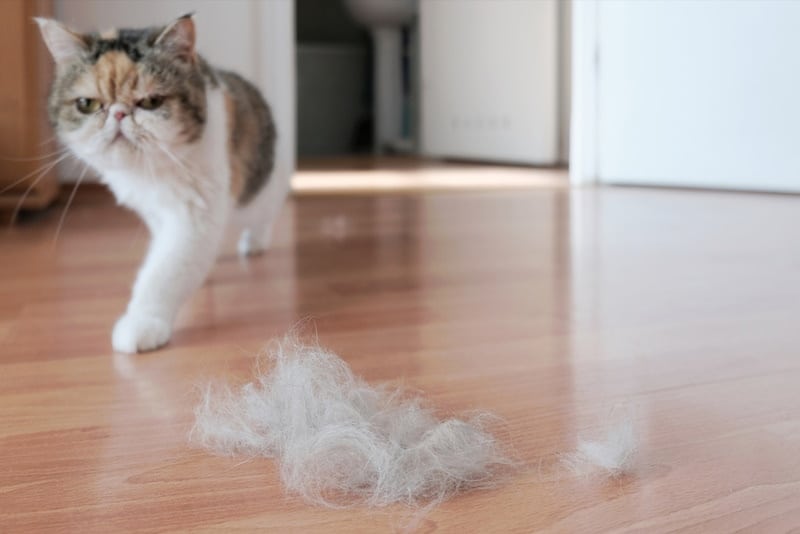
(251, 136)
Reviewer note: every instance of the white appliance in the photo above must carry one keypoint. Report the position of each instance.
(489, 80)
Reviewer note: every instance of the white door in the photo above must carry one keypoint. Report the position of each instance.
(700, 94)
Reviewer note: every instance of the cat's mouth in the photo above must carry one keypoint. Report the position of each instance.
(119, 136)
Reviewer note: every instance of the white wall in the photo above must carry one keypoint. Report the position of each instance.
(252, 37)
(489, 80)
(701, 94)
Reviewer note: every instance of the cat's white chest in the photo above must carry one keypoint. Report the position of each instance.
(196, 176)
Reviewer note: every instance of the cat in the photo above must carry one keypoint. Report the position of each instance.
(181, 143)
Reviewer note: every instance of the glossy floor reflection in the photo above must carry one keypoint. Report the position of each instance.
(545, 306)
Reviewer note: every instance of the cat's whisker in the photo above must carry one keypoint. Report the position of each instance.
(178, 162)
(168, 153)
(141, 163)
(191, 177)
(21, 201)
(147, 163)
(49, 166)
(58, 152)
(27, 192)
(138, 152)
(48, 140)
(69, 203)
(150, 171)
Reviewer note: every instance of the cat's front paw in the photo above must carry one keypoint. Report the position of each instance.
(139, 333)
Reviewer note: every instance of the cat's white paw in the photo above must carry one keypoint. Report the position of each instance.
(139, 333)
(251, 245)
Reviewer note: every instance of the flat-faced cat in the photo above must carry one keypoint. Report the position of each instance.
(181, 143)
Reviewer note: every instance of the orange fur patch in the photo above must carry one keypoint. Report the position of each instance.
(117, 77)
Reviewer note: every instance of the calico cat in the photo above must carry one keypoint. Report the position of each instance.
(181, 143)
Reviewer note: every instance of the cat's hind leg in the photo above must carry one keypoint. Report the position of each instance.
(258, 218)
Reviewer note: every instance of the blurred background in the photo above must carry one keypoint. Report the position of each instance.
(662, 93)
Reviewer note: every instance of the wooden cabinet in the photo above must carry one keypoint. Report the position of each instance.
(26, 139)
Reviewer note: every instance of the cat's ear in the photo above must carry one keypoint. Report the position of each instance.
(64, 44)
(179, 37)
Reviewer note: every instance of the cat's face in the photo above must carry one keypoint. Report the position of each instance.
(123, 97)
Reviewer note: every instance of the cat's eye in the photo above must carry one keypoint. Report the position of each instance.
(87, 105)
(151, 102)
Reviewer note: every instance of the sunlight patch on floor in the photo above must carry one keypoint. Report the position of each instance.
(422, 177)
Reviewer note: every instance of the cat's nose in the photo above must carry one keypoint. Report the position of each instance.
(119, 111)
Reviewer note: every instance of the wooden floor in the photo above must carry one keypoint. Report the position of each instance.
(545, 306)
